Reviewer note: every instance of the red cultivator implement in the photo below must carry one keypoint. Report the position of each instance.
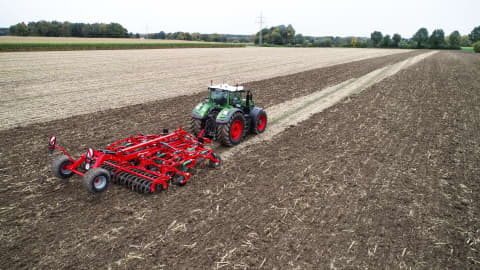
(142, 163)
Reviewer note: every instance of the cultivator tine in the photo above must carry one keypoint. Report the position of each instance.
(133, 182)
(122, 178)
(130, 180)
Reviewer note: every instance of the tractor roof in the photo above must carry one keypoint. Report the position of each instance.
(227, 87)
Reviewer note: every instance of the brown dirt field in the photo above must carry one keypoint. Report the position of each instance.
(387, 179)
(43, 86)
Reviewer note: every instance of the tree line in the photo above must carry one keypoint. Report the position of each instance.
(68, 29)
(422, 40)
(112, 30)
(282, 35)
(196, 36)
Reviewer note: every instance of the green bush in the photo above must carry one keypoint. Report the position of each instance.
(476, 47)
(404, 45)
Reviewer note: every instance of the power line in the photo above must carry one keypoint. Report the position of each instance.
(260, 21)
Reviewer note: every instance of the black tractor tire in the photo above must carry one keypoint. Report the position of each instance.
(96, 180)
(58, 165)
(196, 126)
(213, 164)
(260, 122)
(224, 131)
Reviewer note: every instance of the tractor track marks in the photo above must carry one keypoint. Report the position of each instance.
(291, 112)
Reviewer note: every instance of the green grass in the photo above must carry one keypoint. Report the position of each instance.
(14, 47)
(467, 48)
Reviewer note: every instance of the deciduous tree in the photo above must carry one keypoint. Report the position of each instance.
(386, 42)
(437, 39)
(376, 38)
(454, 40)
(475, 34)
(421, 37)
(396, 40)
(299, 39)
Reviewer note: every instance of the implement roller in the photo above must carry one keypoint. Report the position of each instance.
(143, 163)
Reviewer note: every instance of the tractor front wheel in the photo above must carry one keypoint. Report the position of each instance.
(260, 122)
(59, 165)
(96, 180)
(196, 126)
(232, 133)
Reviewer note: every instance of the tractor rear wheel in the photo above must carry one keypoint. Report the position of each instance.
(96, 180)
(260, 122)
(59, 165)
(232, 132)
(196, 126)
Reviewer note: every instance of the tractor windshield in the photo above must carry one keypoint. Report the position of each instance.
(218, 97)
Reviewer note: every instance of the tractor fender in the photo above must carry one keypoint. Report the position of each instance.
(225, 115)
(201, 111)
(254, 113)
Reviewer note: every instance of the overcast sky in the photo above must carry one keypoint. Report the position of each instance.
(317, 18)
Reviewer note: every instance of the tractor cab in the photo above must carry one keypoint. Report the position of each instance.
(225, 95)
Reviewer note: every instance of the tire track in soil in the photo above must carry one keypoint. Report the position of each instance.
(290, 113)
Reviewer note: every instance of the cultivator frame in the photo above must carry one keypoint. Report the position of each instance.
(143, 163)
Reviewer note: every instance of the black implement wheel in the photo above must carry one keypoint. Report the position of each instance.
(213, 164)
(196, 125)
(178, 179)
(96, 180)
(232, 132)
(260, 122)
(58, 167)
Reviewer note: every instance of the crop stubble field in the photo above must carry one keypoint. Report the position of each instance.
(43, 86)
(386, 179)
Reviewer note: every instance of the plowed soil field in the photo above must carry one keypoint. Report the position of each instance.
(387, 178)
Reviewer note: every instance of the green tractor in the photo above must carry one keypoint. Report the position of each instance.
(227, 115)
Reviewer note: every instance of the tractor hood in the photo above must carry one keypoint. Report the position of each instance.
(201, 110)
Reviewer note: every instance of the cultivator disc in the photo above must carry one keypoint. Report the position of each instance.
(146, 163)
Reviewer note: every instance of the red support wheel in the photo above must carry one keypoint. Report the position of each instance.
(59, 167)
(96, 180)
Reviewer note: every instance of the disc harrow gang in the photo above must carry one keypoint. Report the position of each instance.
(143, 163)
